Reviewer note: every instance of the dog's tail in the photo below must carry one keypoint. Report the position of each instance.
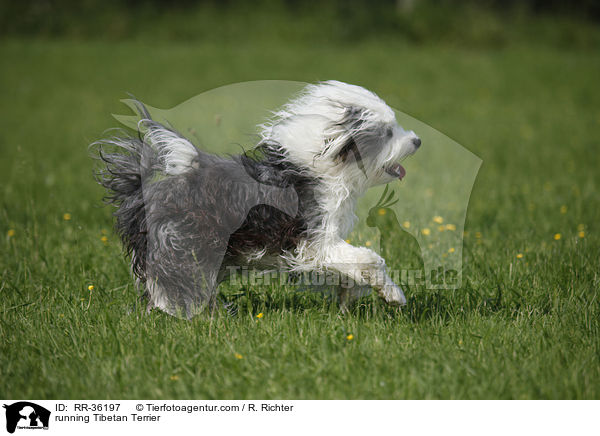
(127, 163)
(121, 174)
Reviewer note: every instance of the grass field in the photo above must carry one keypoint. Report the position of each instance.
(520, 327)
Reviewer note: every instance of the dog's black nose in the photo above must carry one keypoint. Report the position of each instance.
(416, 142)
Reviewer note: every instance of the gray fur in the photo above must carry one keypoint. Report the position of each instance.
(183, 231)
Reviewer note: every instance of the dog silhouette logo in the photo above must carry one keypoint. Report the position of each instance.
(26, 415)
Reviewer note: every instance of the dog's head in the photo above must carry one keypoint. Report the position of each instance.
(343, 132)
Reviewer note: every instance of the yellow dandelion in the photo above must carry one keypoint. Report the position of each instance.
(451, 250)
(563, 209)
(451, 227)
(426, 231)
(67, 216)
(238, 356)
(104, 239)
(520, 256)
(10, 233)
(460, 342)
(61, 315)
(438, 219)
(347, 241)
(174, 377)
(90, 287)
(581, 227)
(478, 235)
(406, 224)
(368, 243)
(260, 315)
(350, 337)
(557, 236)
(441, 228)
(581, 234)
(381, 211)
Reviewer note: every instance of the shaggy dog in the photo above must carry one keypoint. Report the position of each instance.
(189, 219)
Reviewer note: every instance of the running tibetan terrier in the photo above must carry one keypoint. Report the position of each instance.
(188, 219)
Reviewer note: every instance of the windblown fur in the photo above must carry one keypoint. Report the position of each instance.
(186, 216)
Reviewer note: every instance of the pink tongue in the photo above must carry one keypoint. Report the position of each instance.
(402, 172)
(396, 170)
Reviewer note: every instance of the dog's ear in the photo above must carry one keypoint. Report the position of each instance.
(350, 148)
(350, 119)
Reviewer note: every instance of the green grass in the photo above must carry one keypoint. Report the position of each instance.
(518, 328)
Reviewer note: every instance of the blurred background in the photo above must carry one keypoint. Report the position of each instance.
(490, 22)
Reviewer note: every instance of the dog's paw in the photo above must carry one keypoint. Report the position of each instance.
(392, 294)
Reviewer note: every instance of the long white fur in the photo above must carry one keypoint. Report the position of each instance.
(303, 126)
(176, 153)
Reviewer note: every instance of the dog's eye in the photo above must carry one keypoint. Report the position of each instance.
(389, 132)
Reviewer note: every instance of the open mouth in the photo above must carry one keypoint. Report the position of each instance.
(396, 170)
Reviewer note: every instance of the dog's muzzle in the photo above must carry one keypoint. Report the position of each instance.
(397, 170)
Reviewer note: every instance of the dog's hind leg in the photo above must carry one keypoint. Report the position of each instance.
(349, 295)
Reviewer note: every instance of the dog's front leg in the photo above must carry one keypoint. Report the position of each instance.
(364, 267)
